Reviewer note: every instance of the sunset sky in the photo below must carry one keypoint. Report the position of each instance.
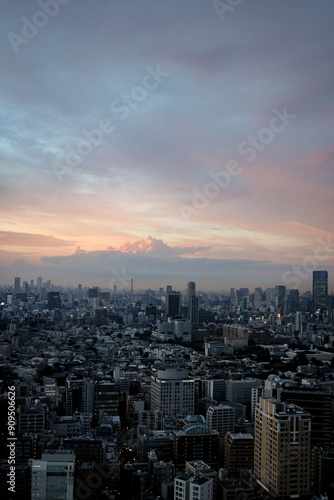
(167, 141)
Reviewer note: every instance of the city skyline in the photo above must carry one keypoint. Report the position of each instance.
(182, 142)
(122, 283)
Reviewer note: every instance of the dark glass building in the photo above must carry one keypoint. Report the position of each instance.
(320, 289)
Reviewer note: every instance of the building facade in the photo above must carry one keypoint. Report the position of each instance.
(282, 449)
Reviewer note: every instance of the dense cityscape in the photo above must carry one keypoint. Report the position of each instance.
(167, 394)
(167, 250)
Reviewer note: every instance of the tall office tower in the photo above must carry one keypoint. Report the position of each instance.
(293, 301)
(48, 284)
(131, 290)
(282, 449)
(169, 288)
(173, 304)
(280, 295)
(299, 322)
(39, 282)
(320, 289)
(17, 285)
(31, 283)
(191, 290)
(193, 312)
(257, 297)
(25, 287)
(270, 296)
(54, 301)
(238, 453)
(173, 392)
(52, 478)
(318, 402)
(221, 418)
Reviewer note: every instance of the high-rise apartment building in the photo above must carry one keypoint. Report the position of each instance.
(282, 449)
(173, 392)
(320, 289)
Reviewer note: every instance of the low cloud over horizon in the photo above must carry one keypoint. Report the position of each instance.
(153, 263)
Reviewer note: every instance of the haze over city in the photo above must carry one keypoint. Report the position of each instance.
(167, 142)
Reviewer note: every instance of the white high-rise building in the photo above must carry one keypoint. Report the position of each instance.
(173, 392)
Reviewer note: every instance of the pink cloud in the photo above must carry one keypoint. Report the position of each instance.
(154, 246)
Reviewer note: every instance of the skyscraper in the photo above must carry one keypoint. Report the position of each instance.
(173, 303)
(191, 289)
(282, 449)
(280, 295)
(320, 289)
(193, 312)
(39, 282)
(17, 285)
